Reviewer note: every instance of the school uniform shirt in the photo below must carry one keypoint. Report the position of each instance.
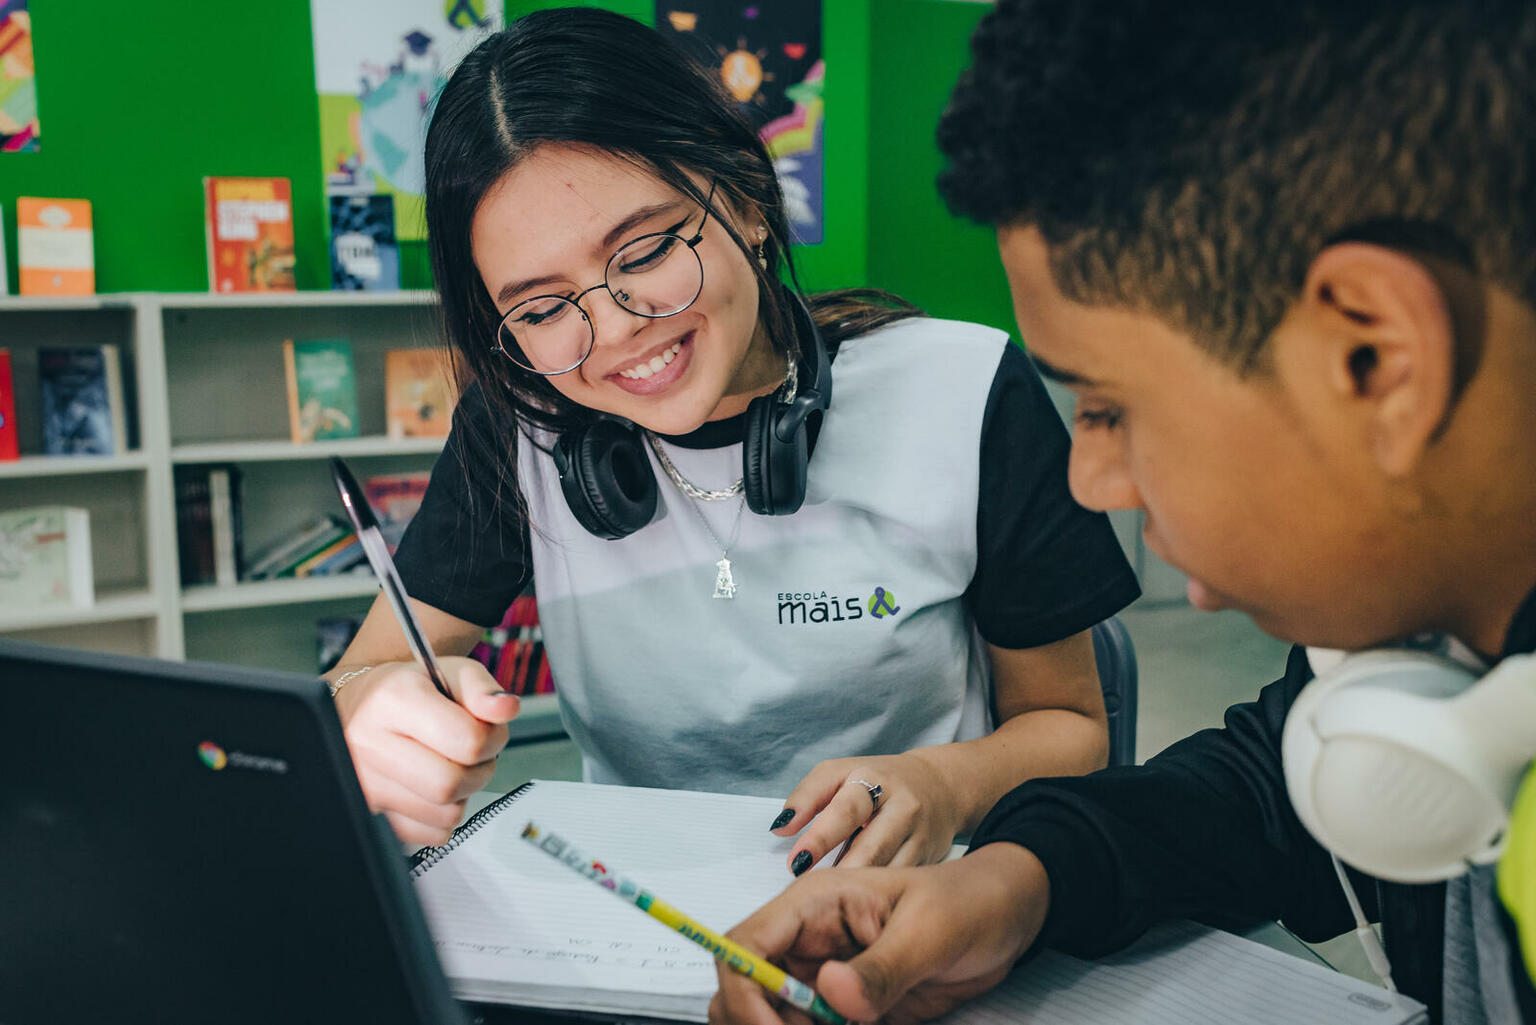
(1206, 830)
(936, 517)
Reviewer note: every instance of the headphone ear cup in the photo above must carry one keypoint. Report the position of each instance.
(755, 455)
(773, 471)
(1380, 773)
(606, 479)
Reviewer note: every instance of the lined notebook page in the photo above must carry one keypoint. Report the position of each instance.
(1185, 974)
(506, 916)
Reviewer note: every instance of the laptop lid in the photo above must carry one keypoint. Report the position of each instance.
(188, 842)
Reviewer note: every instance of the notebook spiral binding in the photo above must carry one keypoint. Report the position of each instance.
(425, 858)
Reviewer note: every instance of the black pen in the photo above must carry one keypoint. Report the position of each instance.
(367, 526)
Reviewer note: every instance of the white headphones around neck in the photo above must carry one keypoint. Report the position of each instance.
(1405, 764)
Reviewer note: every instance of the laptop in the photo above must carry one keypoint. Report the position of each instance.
(185, 842)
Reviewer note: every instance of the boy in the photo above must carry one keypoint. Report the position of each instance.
(1284, 254)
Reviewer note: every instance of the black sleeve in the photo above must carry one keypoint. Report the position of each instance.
(1046, 568)
(466, 549)
(1204, 830)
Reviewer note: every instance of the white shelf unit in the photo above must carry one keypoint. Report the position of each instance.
(203, 376)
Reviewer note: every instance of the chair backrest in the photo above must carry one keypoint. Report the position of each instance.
(1116, 658)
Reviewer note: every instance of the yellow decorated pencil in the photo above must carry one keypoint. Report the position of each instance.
(734, 956)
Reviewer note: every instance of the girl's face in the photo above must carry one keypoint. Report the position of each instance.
(550, 226)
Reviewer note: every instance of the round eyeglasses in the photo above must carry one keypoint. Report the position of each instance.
(654, 276)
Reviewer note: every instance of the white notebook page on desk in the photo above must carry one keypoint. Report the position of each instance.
(1185, 974)
(505, 916)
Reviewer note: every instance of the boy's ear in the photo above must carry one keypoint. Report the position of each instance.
(1389, 341)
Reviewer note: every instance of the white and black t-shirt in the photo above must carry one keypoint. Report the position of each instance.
(937, 517)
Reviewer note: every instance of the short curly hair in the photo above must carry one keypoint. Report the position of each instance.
(1190, 159)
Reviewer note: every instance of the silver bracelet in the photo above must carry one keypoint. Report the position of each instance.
(341, 681)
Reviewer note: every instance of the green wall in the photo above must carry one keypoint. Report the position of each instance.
(139, 101)
(916, 249)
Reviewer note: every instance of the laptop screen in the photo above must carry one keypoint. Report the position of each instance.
(187, 842)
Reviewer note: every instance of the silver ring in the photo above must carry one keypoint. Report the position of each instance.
(875, 790)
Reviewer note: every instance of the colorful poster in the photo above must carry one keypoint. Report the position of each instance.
(378, 66)
(19, 128)
(769, 58)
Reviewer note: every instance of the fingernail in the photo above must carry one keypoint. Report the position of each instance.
(783, 819)
(801, 863)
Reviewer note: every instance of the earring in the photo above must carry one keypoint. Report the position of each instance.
(762, 241)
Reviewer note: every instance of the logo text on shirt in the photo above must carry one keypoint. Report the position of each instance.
(804, 607)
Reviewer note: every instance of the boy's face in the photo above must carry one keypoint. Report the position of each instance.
(1259, 488)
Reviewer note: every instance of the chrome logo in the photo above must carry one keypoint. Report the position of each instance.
(212, 755)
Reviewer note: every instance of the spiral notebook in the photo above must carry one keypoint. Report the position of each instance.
(513, 926)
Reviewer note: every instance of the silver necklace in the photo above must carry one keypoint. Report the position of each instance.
(725, 582)
(688, 487)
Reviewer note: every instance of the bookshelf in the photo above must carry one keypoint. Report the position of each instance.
(203, 379)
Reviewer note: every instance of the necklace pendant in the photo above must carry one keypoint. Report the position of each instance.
(725, 584)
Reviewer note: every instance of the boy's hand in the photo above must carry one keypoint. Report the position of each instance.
(418, 755)
(905, 944)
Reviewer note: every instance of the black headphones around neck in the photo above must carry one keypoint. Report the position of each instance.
(607, 479)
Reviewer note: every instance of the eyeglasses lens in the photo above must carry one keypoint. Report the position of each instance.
(653, 276)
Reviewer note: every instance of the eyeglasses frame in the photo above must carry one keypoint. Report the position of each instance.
(575, 300)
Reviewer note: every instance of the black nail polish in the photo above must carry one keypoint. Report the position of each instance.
(783, 819)
(801, 863)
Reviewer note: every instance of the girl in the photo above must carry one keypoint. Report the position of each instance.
(872, 597)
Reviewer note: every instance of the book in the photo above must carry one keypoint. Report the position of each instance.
(332, 636)
(5, 288)
(513, 650)
(395, 497)
(248, 224)
(82, 401)
(55, 246)
(10, 446)
(513, 926)
(45, 557)
(322, 389)
(194, 526)
(364, 254)
(419, 398)
(294, 547)
(327, 543)
(343, 553)
(208, 524)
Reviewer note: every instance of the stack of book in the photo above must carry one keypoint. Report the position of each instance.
(325, 547)
(208, 524)
(513, 650)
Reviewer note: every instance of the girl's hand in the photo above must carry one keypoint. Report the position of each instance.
(912, 822)
(418, 755)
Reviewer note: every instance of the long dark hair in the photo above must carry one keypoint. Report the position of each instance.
(589, 77)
